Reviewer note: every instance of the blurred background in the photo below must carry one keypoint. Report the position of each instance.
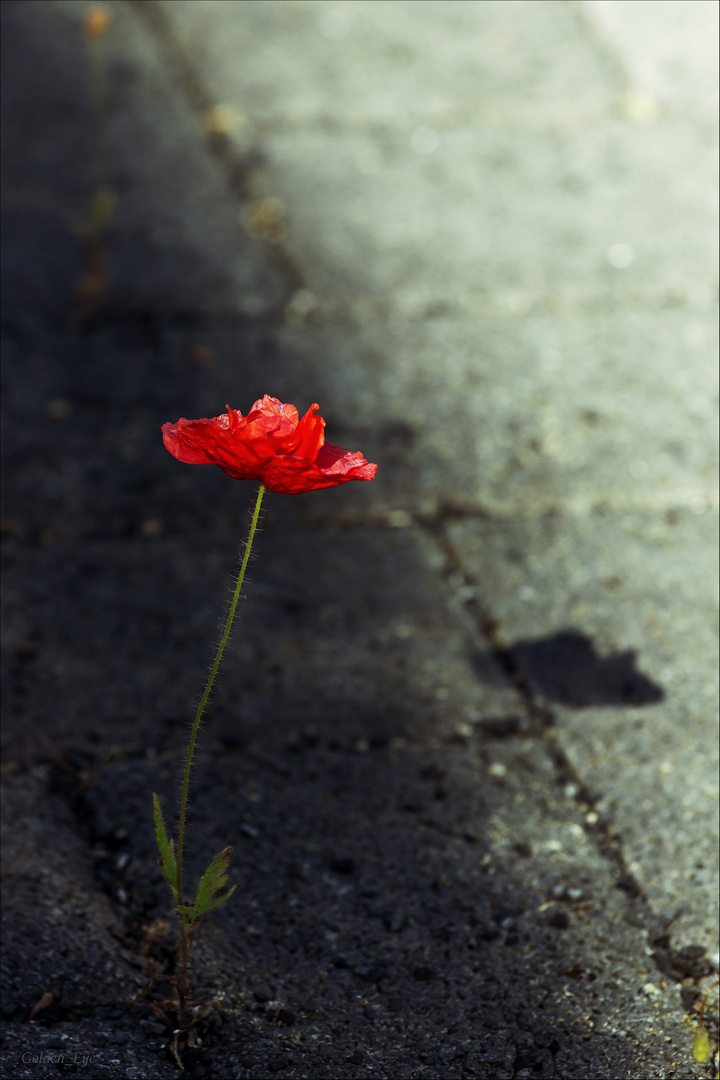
(483, 236)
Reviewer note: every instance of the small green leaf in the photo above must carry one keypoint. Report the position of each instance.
(701, 1044)
(168, 865)
(213, 879)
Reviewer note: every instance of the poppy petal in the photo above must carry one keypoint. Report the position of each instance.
(271, 444)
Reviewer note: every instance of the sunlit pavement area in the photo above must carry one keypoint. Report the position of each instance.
(465, 746)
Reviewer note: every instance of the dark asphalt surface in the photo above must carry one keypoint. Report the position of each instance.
(433, 879)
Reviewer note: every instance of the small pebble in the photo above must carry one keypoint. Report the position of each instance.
(396, 921)
(276, 1064)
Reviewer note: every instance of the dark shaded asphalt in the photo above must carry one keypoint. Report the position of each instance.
(442, 870)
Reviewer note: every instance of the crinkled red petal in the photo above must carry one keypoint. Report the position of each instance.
(288, 455)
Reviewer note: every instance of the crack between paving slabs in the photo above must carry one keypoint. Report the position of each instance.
(542, 720)
(542, 726)
(238, 172)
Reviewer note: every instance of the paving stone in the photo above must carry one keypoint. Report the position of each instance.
(463, 745)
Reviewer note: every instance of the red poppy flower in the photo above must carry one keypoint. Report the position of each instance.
(271, 444)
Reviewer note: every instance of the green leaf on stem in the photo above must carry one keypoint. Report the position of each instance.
(701, 1044)
(168, 865)
(213, 879)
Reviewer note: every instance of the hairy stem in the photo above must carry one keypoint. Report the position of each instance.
(186, 935)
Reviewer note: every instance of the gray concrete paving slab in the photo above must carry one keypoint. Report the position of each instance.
(627, 583)
(170, 192)
(529, 264)
(334, 646)
(56, 920)
(568, 365)
(646, 41)
(477, 234)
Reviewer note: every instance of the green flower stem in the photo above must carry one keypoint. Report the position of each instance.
(187, 934)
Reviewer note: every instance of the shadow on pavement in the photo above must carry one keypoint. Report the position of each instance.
(565, 669)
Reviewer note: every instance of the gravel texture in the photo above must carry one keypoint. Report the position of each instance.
(465, 741)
